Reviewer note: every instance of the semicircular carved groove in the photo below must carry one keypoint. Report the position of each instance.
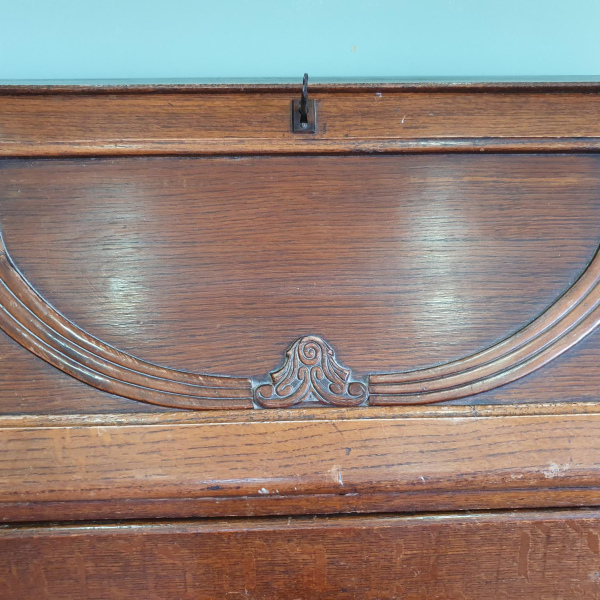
(35, 324)
(310, 374)
(571, 318)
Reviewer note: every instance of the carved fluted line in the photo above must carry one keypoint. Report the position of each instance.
(546, 339)
(503, 377)
(41, 331)
(574, 296)
(105, 383)
(56, 322)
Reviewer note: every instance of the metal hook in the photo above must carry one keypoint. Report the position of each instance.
(304, 111)
(304, 102)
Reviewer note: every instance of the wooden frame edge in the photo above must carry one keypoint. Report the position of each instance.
(353, 465)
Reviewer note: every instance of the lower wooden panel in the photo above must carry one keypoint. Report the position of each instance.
(503, 555)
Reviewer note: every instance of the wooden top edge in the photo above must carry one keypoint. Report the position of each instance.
(546, 85)
(129, 120)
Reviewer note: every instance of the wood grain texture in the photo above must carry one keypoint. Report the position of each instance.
(506, 555)
(571, 376)
(37, 326)
(391, 235)
(299, 465)
(564, 324)
(413, 263)
(371, 120)
(444, 248)
(293, 85)
(310, 372)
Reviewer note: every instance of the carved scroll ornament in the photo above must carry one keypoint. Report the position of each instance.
(310, 375)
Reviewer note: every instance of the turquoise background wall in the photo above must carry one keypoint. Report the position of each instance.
(147, 39)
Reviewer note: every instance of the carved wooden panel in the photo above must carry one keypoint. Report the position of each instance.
(387, 274)
(207, 315)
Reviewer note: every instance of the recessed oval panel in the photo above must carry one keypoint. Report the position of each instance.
(218, 265)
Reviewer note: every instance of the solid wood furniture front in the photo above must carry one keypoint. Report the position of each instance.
(239, 360)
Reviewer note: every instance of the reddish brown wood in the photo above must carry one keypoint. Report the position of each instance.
(350, 120)
(492, 460)
(513, 555)
(422, 256)
(491, 232)
(311, 375)
(313, 504)
(37, 326)
(293, 85)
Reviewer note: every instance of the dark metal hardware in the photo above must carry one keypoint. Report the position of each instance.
(304, 111)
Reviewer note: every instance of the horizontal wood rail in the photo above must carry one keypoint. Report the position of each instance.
(180, 120)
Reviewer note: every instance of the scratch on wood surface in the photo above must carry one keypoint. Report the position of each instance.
(592, 540)
(524, 555)
(336, 473)
(320, 567)
(555, 470)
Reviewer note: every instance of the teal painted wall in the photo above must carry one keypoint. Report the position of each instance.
(147, 39)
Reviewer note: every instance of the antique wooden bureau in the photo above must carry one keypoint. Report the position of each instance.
(265, 343)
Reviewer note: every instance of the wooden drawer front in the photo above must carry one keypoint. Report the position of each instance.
(475, 556)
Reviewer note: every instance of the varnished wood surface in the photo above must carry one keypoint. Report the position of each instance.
(359, 120)
(216, 266)
(37, 326)
(529, 555)
(425, 251)
(570, 379)
(571, 376)
(310, 373)
(297, 465)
